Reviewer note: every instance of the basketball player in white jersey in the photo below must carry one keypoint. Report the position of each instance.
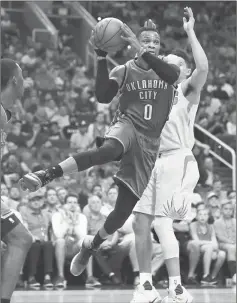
(174, 176)
(13, 233)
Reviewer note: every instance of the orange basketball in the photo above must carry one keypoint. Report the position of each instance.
(107, 35)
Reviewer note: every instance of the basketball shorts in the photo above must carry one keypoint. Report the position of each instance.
(139, 155)
(171, 185)
(9, 220)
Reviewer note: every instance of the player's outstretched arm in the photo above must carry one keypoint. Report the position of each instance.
(167, 72)
(199, 76)
(105, 88)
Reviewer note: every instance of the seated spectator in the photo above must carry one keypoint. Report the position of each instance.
(222, 90)
(92, 199)
(13, 169)
(213, 205)
(61, 194)
(30, 60)
(97, 190)
(16, 136)
(208, 169)
(71, 128)
(231, 196)
(37, 221)
(52, 204)
(86, 106)
(61, 117)
(85, 192)
(69, 228)
(98, 128)
(218, 189)
(51, 108)
(55, 138)
(82, 139)
(110, 201)
(205, 242)
(231, 124)
(95, 222)
(225, 229)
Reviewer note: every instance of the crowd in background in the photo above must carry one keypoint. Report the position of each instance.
(58, 115)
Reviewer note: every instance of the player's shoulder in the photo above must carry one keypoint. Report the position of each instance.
(118, 70)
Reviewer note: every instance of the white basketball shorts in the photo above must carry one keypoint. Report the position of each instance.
(172, 182)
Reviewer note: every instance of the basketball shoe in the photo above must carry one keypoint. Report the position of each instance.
(80, 261)
(146, 293)
(178, 295)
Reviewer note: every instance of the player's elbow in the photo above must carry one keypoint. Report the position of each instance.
(103, 98)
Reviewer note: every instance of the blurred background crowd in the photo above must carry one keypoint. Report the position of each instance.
(59, 115)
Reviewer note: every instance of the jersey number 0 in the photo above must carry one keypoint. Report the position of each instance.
(147, 112)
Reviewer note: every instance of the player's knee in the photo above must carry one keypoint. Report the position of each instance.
(142, 223)
(19, 236)
(164, 229)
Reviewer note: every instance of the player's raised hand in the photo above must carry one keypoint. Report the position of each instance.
(188, 21)
(30, 182)
(129, 36)
(98, 51)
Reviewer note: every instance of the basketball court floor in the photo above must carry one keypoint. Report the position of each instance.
(225, 295)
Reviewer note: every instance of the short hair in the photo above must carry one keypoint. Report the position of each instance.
(181, 53)
(147, 29)
(70, 195)
(8, 67)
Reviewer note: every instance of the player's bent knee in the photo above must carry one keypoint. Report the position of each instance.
(14, 232)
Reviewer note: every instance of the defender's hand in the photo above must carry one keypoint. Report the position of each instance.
(130, 37)
(188, 24)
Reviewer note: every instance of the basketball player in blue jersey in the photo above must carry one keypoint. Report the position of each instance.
(145, 88)
(13, 232)
(175, 174)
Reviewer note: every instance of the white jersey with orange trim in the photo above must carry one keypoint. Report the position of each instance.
(178, 131)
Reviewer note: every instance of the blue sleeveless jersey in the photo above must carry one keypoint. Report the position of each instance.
(145, 99)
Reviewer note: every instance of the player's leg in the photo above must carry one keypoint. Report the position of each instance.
(175, 185)
(144, 214)
(18, 241)
(111, 150)
(123, 208)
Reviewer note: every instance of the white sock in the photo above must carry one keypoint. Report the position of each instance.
(174, 281)
(145, 276)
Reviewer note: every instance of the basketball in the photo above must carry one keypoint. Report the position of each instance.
(107, 35)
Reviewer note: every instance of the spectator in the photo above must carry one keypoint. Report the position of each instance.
(71, 128)
(218, 189)
(204, 236)
(16, 136)
(61, 117)
(109, 203)
(95, 221)
(97, 190)
(51, 108)
(69, 228)
(51, 203)
(225, 228)
(231, 124)
(12, 169)
(222, 90)
(213, 205)
(85, 192)
(37, 221)
(61, 194)
(209, 170)
(82, 139)
(30, 60)
(98, 128)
